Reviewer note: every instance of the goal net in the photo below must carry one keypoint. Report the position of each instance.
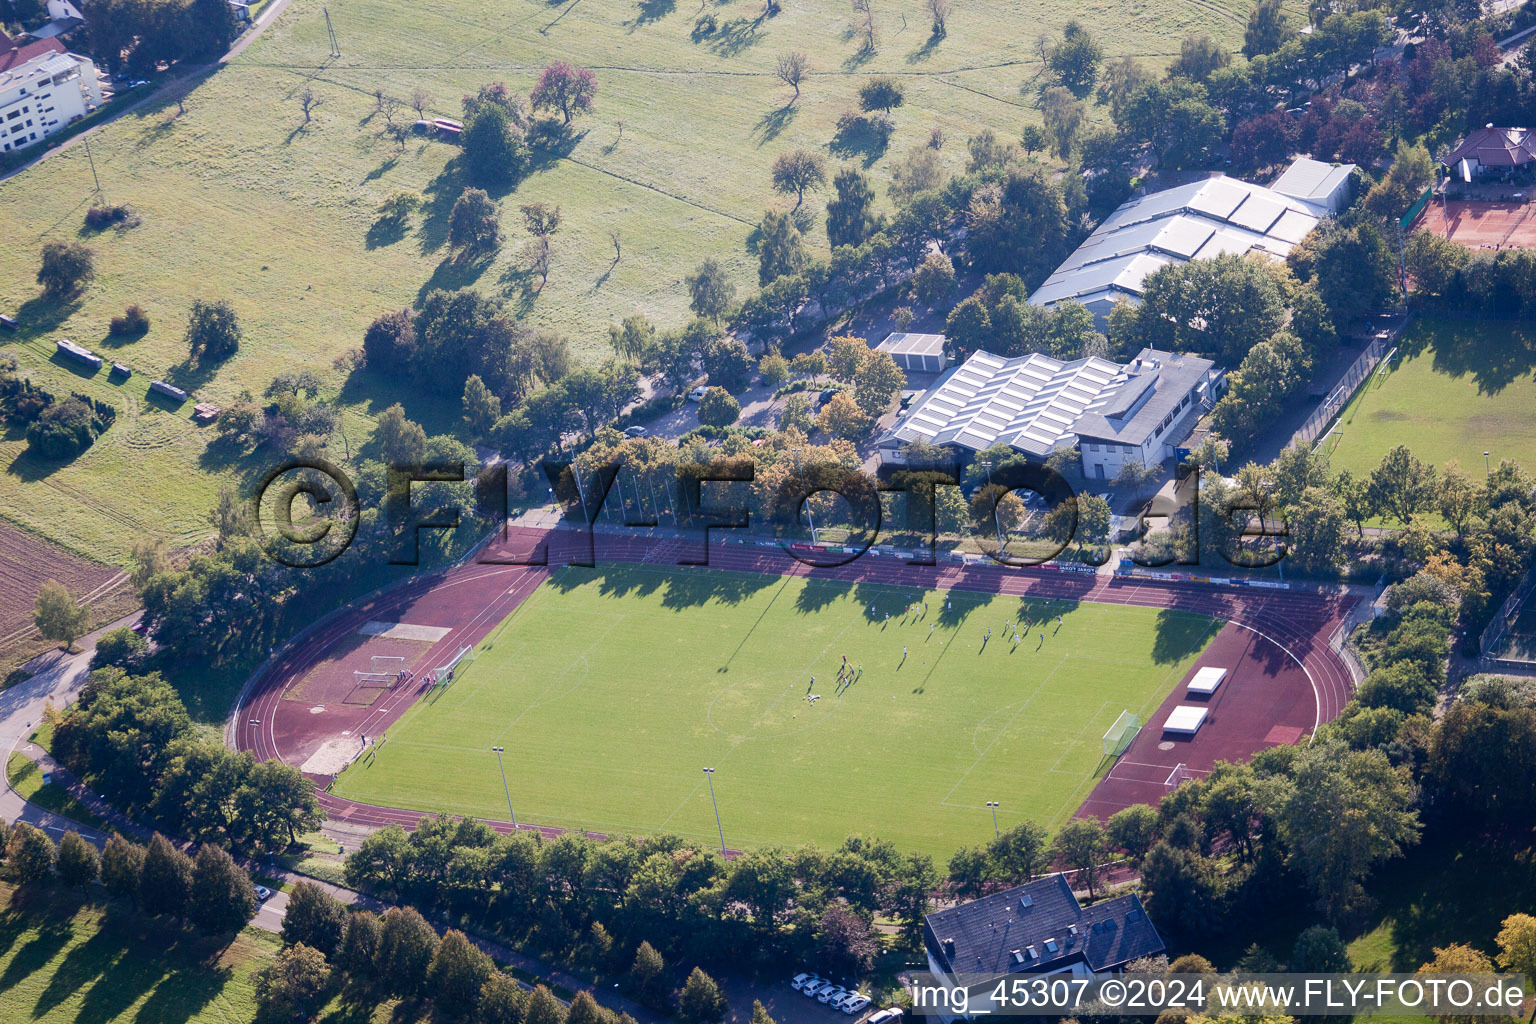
(445, 671)
(1121, 733)
(377, 680)
(387, 663)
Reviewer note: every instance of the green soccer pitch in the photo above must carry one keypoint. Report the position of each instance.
(1455, 390)
(611, 690)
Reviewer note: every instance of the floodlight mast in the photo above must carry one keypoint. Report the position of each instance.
(709, 773)
(504, 787)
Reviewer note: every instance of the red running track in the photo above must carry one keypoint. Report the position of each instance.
(1284, 679)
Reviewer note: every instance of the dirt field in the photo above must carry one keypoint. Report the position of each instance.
(1480, 225)
(26, 563)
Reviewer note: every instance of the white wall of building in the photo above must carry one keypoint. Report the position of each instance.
(43, 96)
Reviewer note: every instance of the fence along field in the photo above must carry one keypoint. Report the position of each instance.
(239, 198)
(611, 690)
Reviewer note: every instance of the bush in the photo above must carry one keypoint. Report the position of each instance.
(99, 218)
(133, 321)
(65, 429)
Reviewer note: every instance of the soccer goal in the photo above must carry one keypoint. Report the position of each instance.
(1178, 777)
(464, 656)
(1121, 733)
(374, 680)
(387, 664)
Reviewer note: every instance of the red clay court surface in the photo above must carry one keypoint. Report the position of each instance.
(1481, 225)
(1283, 679)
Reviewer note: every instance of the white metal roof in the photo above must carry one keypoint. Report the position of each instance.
(1199, 220)
(897, 343)
(1029, 402)
(1312, 181)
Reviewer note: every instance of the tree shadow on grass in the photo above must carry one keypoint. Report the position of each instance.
(773, 123)
(549, 152)
(1179, 634)
(734, 37)
(1494, 355)
(189, 376)
(680, 587)
(1451, 888)
(649, 11)
(519, 286)
(452, 274)
(384, 232)
(43, 315)
(440, 195)
(383, 169)
(53, 934)
(176, 993)
(859, 139)
(929, 47)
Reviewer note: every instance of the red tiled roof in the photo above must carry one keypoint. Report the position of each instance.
(21, 54)
(1496, 147)
(5, 42)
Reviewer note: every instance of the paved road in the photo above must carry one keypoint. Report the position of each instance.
(57, 677)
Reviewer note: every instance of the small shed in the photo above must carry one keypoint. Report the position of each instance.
(447, 130)
(9, 323)
(202, 412)
(923, 353)
(119, 370)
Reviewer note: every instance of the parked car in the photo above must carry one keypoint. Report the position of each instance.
(262, 893)
(856, 1005)
(810, 988)
(889, 1015)
(826, 396)
(830, 993)
(840, 1001)
(803, 979)
(635, 431)
(698, 393)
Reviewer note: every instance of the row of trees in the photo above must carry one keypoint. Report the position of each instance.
(581, 897)
(131, 738)
(209, 891)
(365, 956)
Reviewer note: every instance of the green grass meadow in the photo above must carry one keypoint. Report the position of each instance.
(1455, 390)
(240, 199)
(611, 690)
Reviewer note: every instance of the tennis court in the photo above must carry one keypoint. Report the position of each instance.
(1481, 225)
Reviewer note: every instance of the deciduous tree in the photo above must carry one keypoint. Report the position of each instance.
(222, 899)
(77, 863)
(798, 171)
(566, 88)
(213, 330)
(58, 616)
(67, 268)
